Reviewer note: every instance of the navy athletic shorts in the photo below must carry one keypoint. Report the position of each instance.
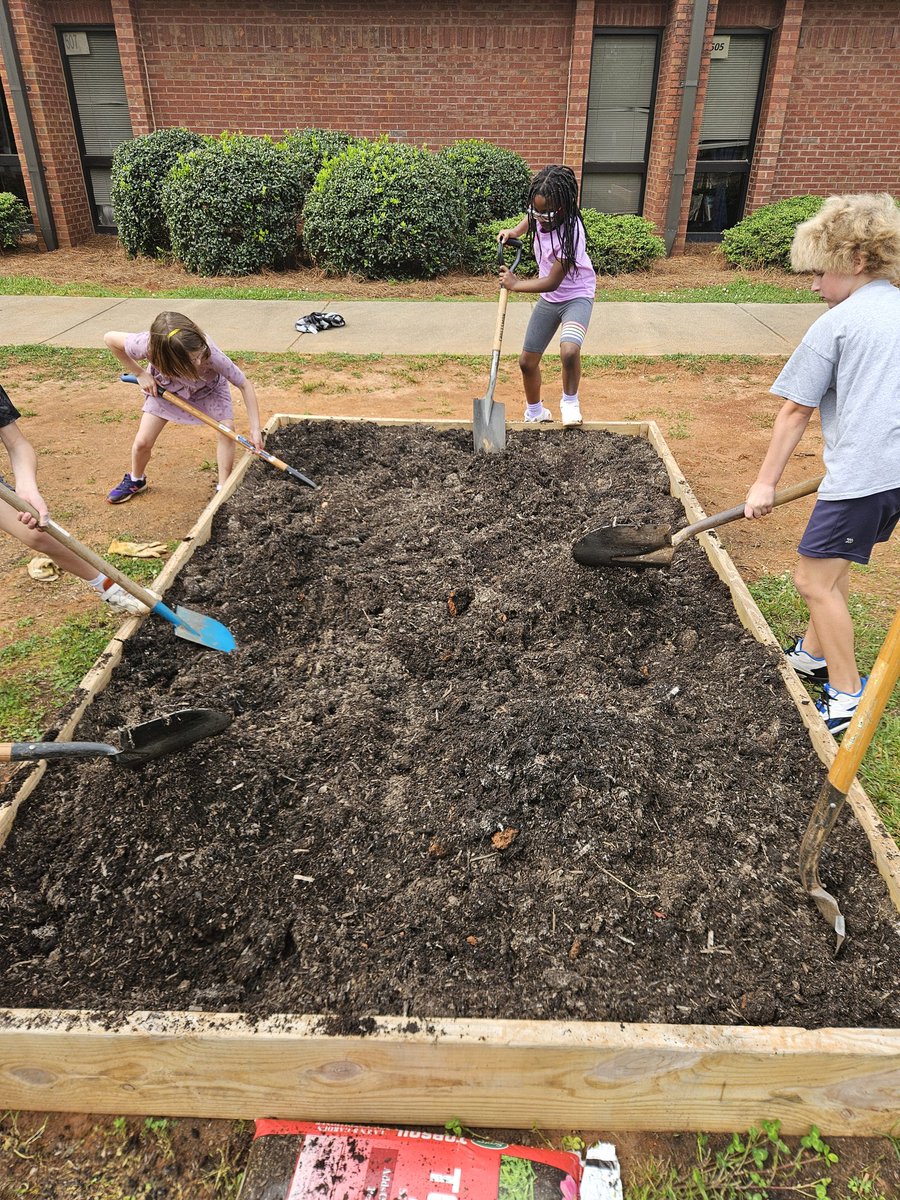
(850, 528)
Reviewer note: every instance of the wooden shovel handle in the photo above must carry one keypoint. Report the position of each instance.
(65, 539)
(733, 514)
(876, 694)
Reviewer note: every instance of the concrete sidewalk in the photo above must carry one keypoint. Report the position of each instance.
(412, 327)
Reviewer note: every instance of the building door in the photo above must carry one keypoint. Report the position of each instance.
(99, 107)
(619, 119)
(728, 133)
(10, 168)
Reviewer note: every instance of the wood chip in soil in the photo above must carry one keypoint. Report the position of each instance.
(466, 777)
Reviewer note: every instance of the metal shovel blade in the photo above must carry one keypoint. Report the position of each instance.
(489, 426)
(166, 735)
(205, 631)
(625, 546)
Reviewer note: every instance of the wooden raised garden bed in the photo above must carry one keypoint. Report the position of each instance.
(521, 838)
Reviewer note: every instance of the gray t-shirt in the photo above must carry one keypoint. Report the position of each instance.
(848, 366)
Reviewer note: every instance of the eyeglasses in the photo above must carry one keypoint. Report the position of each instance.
(542, 216)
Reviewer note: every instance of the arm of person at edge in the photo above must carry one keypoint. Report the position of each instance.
(789, 427)
(116, 342)
(248, 391)
(24, 466)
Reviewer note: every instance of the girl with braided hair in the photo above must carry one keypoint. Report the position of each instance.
(566, 283)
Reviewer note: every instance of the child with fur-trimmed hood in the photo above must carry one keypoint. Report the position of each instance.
(847, 367)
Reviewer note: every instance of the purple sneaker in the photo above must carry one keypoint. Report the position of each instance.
(126, 489)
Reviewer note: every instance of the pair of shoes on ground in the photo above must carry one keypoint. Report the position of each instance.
(570, 415)
(124, 491)
(317, 322)
(837, 708)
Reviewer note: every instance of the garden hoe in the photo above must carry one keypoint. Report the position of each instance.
(139, 743)
(191, 625)
(853, 746)
(653, 545)
(229, 433)
(488, 418)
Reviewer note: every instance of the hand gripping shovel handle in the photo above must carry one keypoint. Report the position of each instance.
(229, 433)
(65, 539)
(796, 492)
(853, 747)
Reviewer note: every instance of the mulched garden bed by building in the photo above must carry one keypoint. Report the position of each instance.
(466, 777)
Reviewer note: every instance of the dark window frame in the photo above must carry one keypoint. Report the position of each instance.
(87, 160)
(628, 168)
(737, 166)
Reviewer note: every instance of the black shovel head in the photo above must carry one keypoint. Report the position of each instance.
(625, 546)
(166, 735)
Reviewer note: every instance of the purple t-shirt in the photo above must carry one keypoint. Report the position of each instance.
(211, 394)
(547, 251)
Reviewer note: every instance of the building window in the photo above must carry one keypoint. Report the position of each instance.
(624, 67)
(99, 107)
(730, 116)
(10, 168)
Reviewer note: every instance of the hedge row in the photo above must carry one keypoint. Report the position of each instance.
(237, 204)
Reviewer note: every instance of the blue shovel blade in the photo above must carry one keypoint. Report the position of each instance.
(197, 627)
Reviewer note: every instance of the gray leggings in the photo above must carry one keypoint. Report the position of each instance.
(573, 315)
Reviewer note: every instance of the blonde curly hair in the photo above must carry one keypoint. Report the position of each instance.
(847, 230)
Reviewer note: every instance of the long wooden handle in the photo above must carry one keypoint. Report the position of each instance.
(65, 539)
(795, 492)
(501, 320)
(876, 694)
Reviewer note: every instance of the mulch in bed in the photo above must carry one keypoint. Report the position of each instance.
(466, 776)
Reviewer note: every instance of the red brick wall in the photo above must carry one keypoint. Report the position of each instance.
(842, 127)
(429, 72)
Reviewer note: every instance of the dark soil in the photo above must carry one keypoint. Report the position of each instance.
(580, 797)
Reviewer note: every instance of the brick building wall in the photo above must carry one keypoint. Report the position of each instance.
(438, 70)
(842, 126)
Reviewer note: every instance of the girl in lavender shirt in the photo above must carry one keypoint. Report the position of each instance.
(566, 282)
(183, 360)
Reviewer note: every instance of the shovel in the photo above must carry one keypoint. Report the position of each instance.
(653, 545)
(854, 744)
(193, 626)
(229, 433)
(150, 739)
(488, 418)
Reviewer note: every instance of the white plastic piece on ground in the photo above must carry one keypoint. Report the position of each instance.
(602, 1178)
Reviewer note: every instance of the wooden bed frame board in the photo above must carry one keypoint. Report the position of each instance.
(514, 1074)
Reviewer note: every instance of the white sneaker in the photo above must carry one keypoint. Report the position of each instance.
(123, 602)
(544, 415)
(570, 413)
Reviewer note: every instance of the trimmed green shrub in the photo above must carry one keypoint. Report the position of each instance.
(614, 245)
(385, 210)
(14, 219)
(308, 149)
(617, 244)
(481, 249)
(763, 239)
(231, 206)
(139, 167)
(495, 181)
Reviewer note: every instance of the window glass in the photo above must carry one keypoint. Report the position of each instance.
(612, 193)
(619, 99)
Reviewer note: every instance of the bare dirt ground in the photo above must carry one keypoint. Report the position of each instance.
(102, 260)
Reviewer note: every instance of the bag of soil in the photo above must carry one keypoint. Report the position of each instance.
(303, 1160)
